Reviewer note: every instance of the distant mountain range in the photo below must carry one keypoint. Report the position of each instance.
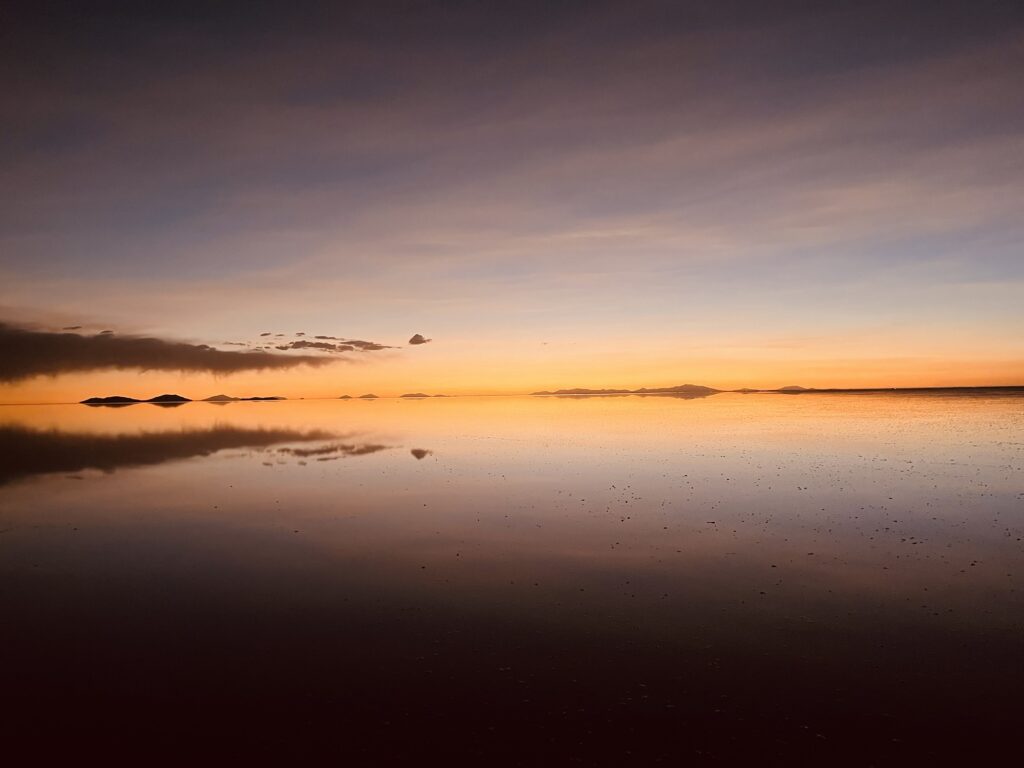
(168, 400)
(407, 396)
(683, 390)
(693, 390)
(122, 400)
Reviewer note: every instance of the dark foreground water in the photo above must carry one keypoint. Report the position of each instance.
(770, 579)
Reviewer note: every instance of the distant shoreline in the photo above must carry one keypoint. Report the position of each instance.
(707, 392)
(994, 389)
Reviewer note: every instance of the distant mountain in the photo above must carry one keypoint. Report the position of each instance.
(345, 397)
(416, 395)
(367, 397)
(220, 399)
(797, 390)
(122, 400)
(683, 390)
(582, 391)
(261, 398)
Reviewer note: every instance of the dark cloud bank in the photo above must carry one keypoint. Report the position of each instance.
(26, 353)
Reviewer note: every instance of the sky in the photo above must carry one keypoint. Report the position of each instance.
(733, 194)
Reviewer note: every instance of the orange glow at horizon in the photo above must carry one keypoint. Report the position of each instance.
(443, 375)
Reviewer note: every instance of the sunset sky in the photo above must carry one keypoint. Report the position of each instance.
(555, 194)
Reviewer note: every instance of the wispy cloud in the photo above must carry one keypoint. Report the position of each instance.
(829, 165)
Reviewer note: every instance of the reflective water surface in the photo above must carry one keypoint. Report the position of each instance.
(817, 579)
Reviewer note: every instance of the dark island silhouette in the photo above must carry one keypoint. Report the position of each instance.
(122, 400)
(169, 400)
(415, 395)
(368, 397)
(112, 400)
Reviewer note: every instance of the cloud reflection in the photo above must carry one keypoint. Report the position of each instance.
(31, 452)
(335, 450)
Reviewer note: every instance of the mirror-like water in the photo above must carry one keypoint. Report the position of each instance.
(812, 578)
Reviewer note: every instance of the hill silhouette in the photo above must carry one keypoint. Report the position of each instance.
(683, 390)
(168, 399)
(122, 400)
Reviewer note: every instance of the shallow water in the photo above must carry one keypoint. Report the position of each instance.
(801, 579)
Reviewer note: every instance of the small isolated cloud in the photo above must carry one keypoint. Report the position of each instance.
(418, 339)
(25, 353)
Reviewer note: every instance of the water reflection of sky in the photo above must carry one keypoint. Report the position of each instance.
(859, 556)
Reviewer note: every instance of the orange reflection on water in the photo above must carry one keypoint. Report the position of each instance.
(703, 548)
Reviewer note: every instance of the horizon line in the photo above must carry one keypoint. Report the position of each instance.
(554, 393)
